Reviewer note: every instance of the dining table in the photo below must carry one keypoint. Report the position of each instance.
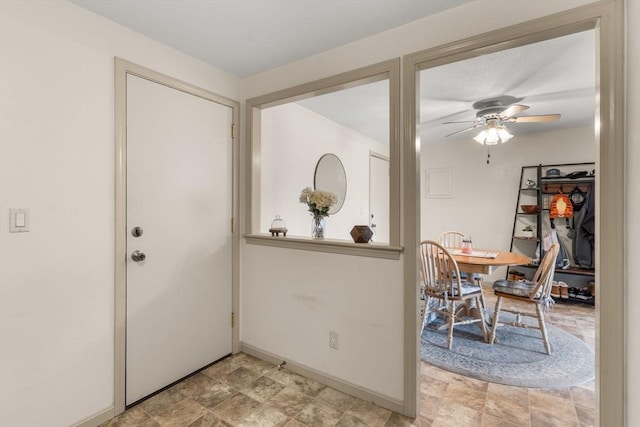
(483, 261)
(486, 261)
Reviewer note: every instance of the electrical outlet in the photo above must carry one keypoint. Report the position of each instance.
(333, 340)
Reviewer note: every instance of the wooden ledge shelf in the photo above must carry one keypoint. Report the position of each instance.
(527, 239)
(343, 247)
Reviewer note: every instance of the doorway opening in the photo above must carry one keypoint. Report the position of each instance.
(609, 170)
(555, 76)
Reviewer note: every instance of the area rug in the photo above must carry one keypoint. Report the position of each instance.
(517, 358)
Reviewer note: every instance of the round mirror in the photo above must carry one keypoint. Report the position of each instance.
(330, 176)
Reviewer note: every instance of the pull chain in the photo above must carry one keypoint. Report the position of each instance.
(488, 155)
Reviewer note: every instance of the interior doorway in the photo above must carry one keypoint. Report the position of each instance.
(457, 98)
(609, 143)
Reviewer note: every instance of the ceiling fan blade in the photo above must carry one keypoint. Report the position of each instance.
(464, 130)
(534, 119)
(513, 110)
(464, 121)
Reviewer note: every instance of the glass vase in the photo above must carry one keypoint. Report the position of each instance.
(317, 227)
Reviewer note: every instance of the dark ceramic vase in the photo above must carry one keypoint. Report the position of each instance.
(361, 233)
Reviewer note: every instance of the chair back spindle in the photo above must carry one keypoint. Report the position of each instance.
(440, 271)
(451, 239)
(442, 282)
(537, 292)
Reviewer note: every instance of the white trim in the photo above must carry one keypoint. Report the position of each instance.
(374, 155)
(122, 69)
(392, 404)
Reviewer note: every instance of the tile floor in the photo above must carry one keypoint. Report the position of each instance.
(245, 391)
(454, 400)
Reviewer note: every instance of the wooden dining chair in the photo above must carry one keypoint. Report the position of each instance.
(442, 281)
(453, 239)
(535, 292)
(450, 239)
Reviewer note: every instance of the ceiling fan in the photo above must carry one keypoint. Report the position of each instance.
(493, 113)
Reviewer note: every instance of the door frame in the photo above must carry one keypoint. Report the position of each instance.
(122, 69)
(607, 18)
(373, 154)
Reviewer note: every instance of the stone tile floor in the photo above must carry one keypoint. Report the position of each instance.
(244, 391)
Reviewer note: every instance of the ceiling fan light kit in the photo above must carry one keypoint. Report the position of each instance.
(494, 112)
(495, 133)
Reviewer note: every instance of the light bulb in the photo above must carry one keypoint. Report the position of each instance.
(504, 134)
(492, 136)
(479, 138)
(495, 133)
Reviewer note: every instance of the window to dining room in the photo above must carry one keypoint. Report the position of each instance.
(337, 136)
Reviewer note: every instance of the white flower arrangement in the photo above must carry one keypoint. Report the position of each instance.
(318, 201)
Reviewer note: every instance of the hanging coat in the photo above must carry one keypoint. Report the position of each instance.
(584, 233)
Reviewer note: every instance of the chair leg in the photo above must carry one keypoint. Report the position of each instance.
(452, 320)
(496, 314)
(543, 329)
(482, 323)
(425, 312)
(482, 300)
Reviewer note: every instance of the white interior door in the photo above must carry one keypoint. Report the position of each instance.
(379, 197)
(179, 192)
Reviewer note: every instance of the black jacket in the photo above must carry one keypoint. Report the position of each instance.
(584, 233)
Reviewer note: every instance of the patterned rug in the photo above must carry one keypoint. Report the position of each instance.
(517, 358)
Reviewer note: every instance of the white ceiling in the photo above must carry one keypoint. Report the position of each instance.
(245, 37)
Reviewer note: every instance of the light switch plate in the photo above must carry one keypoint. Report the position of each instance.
(18, 220)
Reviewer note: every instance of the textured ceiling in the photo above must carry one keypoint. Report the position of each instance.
(245, 37)
(553, 76)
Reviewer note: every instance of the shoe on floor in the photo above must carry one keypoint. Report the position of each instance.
(584, 294)
(591, 286)
(555, 289)
(564, 290)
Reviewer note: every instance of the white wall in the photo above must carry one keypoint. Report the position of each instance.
(290, 309)
(262, 266)
(485, 195)
(56, 159)
(293, 139)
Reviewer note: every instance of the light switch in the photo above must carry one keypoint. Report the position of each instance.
(19, 220)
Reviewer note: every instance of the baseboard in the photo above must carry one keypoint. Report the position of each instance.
(97, 419)
(392, 404)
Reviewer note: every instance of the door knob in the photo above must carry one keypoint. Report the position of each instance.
(138, 256)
